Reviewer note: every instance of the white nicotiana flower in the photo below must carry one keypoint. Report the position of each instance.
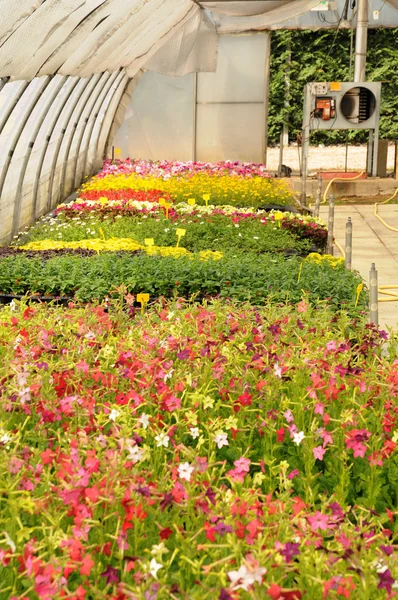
(298, 437)
(277, 371)
(5, 438)
(168, 375)
(136, 454)
(13, 305)
(194, 431)
(114, 414)
(244, 578)
(154, 567)
(185, 471)
(255, 237)
(159, 549)
(144, 420)
(162, 440)
(221, 439)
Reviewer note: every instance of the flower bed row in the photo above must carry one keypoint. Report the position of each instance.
(201, 231)
(204, 452)
(240, 276)
(165, 169)
(203, 188)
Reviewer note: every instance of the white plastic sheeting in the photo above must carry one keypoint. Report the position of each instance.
(192, 48)
(53, 134)
(222, 117)
(264, 20)
(83, 37)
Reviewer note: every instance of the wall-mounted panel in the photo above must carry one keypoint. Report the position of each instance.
(230, 132)
(159, 121)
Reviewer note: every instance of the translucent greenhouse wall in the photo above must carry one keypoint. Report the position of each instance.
(53, 133)
(208, 116)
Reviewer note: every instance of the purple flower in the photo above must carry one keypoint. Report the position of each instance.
(211, 495)
(111, 575)
(290, 551)
(225, 595)
(336, 509)
(221, 528)
(387, 549)
(386, 580)
(167, 500)
(183, 355)
(42, 365)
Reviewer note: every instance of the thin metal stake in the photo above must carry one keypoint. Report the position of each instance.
(330, 225)
(318, 197)
(348, 244)
(373, 296)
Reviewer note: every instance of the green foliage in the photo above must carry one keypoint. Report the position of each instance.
(217, 233)
(241, 276)
(325, 56)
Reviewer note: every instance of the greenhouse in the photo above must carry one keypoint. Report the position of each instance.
(198, 299)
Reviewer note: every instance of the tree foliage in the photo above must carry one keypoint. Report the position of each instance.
(325, 56)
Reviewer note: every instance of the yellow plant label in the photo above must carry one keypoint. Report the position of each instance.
(206, 197)
(191, 201)
(181, 232)
(149, 242)
(118, 151)
(359, 290)
(167, 205)
(103, 200)
(143, 298)
(162, 202)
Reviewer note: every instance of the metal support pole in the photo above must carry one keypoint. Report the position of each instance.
(330, 225)
(369, 167)
(373, 296)
(348, 244)
(318, 197)
(195, 117)
(281, 142)
(267, 76)
(305, 143)
(361, 41)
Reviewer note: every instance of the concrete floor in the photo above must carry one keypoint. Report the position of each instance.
(372, 242)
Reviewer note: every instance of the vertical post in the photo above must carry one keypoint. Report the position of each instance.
(330, 225)
(286, 102)
(361, 41)
(375, 149)
(348, 244)
(396, 160)
(195, 116)
(305, 143)
(267, 74)
(318, 196)
(373, 295)
(281, 143)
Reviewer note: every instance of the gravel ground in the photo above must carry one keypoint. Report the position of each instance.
(325, 157)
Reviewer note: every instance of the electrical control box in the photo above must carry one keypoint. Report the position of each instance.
(342, 105)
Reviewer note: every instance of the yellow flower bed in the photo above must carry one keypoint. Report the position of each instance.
(223, 189)
(334, 261)
(118, 244)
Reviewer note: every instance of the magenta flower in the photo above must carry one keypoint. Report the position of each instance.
(242, 465)
(318, 452)
(111, 575)
(318, 521)
(385, 580)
